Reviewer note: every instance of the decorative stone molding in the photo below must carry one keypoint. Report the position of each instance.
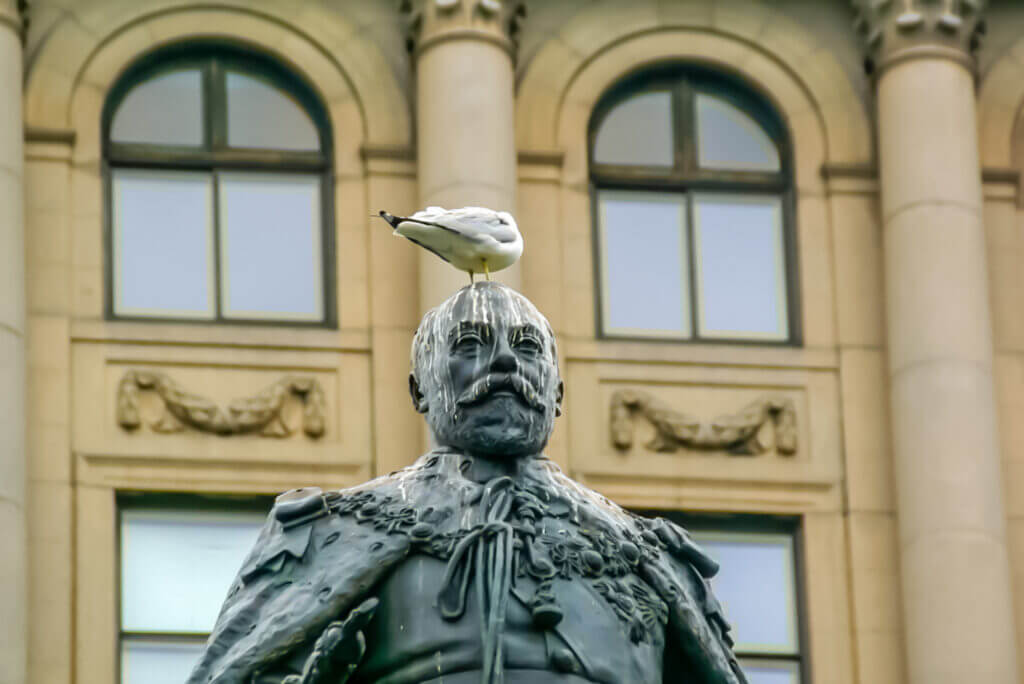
(429, 22)
(53, 136)
(895, 30)
(738, 434)
(369, 151)
(541, 157)
(262, 413)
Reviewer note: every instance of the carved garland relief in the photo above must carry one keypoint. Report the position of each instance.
(740, 433)
(262, 413)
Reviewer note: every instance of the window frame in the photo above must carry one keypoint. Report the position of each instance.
(214, 60)
(686, 178)
(754, 524)
(170, 502)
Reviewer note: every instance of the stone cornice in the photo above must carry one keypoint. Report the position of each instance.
(899, 30)
(59, 136)
(430, 22)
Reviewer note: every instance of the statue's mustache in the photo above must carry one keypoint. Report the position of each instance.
(497, 382)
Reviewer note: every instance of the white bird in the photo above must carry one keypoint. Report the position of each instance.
(472, 239)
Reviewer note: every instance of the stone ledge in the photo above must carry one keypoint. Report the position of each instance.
(699, 354)
(214, 335)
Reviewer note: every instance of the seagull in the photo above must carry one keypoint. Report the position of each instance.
(473, 239)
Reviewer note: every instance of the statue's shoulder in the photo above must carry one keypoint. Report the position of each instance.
(678, 570)
(655, 534)
(300, 517)
(305, 505)
(309, 565)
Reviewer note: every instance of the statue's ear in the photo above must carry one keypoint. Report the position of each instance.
(558, 398)
(419, 402)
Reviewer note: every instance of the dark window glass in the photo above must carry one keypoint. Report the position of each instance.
(758, 585)
(638, 131)
(264, 117)
(219, 177)
(164, 110)
(692, 189)
(178, 557)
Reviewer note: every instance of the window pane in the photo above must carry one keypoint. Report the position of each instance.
(158, 662)
(270, 248)
(177, 566)
(260, 115)
(756, 585)
(643, 236)
(162, 243)
(741, 276)
(638, 131)
(763, 672)
(728, 138)
(164, 110)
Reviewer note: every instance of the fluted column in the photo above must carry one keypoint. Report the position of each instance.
(957, 597)
(464, 117)
(12, 355)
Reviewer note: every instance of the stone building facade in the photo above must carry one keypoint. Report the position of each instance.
(869, 423)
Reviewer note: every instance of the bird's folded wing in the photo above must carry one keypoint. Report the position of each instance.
(471, 223)
(483, 222)
(499, 231)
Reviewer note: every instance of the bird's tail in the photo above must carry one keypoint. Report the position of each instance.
(393, 221)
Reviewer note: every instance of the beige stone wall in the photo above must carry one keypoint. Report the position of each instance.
(13, 362)
(1001, 139)
(80, 454)
(840, 480)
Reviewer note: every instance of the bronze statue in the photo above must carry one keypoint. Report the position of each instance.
(479, 564)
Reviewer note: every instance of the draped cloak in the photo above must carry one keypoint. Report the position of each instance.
(320, 555)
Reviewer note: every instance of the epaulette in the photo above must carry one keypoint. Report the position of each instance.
(293, 510)
(298, 506)
(681, 545)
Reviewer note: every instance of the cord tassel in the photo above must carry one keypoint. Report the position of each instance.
(486, 554)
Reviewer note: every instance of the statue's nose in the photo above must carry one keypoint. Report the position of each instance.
(504, 360)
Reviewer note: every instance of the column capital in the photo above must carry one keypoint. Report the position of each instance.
(897, 30)
(430, 22)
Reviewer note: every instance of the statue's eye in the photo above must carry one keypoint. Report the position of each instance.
(529, 345)
(467, 343)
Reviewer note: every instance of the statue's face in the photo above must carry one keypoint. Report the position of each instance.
(491, 384)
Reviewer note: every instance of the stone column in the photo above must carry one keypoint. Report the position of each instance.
(958, 607)
(12, 355)
(464, 118)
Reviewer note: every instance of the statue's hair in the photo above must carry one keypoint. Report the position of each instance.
(433, 329)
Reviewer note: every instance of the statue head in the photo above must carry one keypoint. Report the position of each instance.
(485, 373)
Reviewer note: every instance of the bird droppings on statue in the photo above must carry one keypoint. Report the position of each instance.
(472, 239)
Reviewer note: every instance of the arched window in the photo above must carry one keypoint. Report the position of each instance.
(692, 184)
(218, 172)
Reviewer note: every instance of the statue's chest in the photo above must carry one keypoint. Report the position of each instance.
(410, 641)
(507, 541)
